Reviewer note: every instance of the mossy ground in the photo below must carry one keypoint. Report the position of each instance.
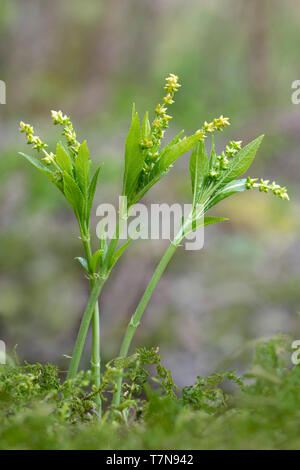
(38, 410)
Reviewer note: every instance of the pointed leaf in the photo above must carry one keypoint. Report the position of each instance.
(171, 152)
(242, 160)
(161, 169)
(198, 169)
(146, 127)
(213, 155)
(73, 194)
(102, 240)
(134, 158)
(92, 190)
(119, 252)
(37, 163)
(227, 190)
(51, 174)
(63, 159)
(96, 259)
(83, 263)
(208, 220)
(82, 167)
(202, 222)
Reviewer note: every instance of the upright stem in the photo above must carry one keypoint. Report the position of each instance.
(85, 323)
(95, 357)
(91, 313)
(96, 354)
(135, 319)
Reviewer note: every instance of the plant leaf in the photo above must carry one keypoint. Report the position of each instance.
(103, 245)
(92, 190)
(227, 190)
(146, 127)
(198, 169)
(52, 175)
(162, 168)
(242, 160)
(119, 253)
(171, 152)
(213, 155)
(73, 194)
(134, 158)
(202, 222)
(83, 263)
(95, 259)
(83, 167)
(37, 163)
(63, 159)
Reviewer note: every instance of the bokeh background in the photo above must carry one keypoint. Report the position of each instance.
(92, 59)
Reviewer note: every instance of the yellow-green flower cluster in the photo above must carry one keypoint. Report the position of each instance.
(216, 125)
(151, 143)
(38, 144)
(223, 160)
(69, 133)
(265, 186)
(161, 120)
(32, 139)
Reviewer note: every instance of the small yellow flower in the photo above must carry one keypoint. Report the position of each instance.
(160, 109)
(168, 99)
(208, 127)
(59, 118)
(221, 122)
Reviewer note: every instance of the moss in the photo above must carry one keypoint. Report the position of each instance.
(40, 411)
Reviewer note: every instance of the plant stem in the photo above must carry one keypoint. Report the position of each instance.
(95, 357)
(136, 317)
(85, 323)
(91, 313)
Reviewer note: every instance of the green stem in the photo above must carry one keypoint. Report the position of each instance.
(85, 323)
(95, 357)
(91, 313)
(136, 317)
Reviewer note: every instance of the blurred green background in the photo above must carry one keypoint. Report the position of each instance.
(92, 59)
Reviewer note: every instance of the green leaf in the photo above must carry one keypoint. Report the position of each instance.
(202, 222)
(213, 155)
(37, 163)
(63, 159)
(242, 160)
(198, 169)
(92, 190)
(146, 127)
(134, 158)
(162, 168)
(51, 174)
(83, 263)
(171, 152)
(227, 190)
(119, 253)
(83, 167)
(102, 240)
(208, 220)
(97, 256)
(73, 194)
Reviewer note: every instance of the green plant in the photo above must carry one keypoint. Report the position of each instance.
(213, 179)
